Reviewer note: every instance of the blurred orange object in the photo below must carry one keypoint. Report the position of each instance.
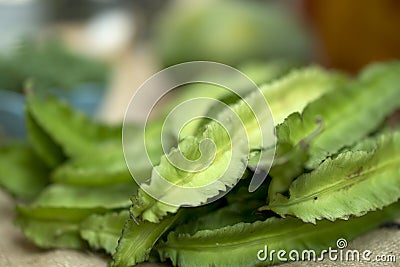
(353, 33)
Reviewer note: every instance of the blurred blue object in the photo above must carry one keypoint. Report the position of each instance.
(84, 97)
(12, 123)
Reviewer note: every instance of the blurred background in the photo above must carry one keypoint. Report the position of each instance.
(95, 54)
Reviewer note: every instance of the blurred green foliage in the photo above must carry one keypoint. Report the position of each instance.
(229, 32)
(48, 65)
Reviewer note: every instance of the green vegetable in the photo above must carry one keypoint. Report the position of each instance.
(336, 159)
(298, 88)
(137, 240)
(111, 197)
(75, 133)
(21, 173)
(101, 169)
(53, 227)
(351, 184)
(54, 218)
(102, 231)
(261, 73)
(264, 72)
(238, 245)
(52, 233)
(336, 120)
(49, 151)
